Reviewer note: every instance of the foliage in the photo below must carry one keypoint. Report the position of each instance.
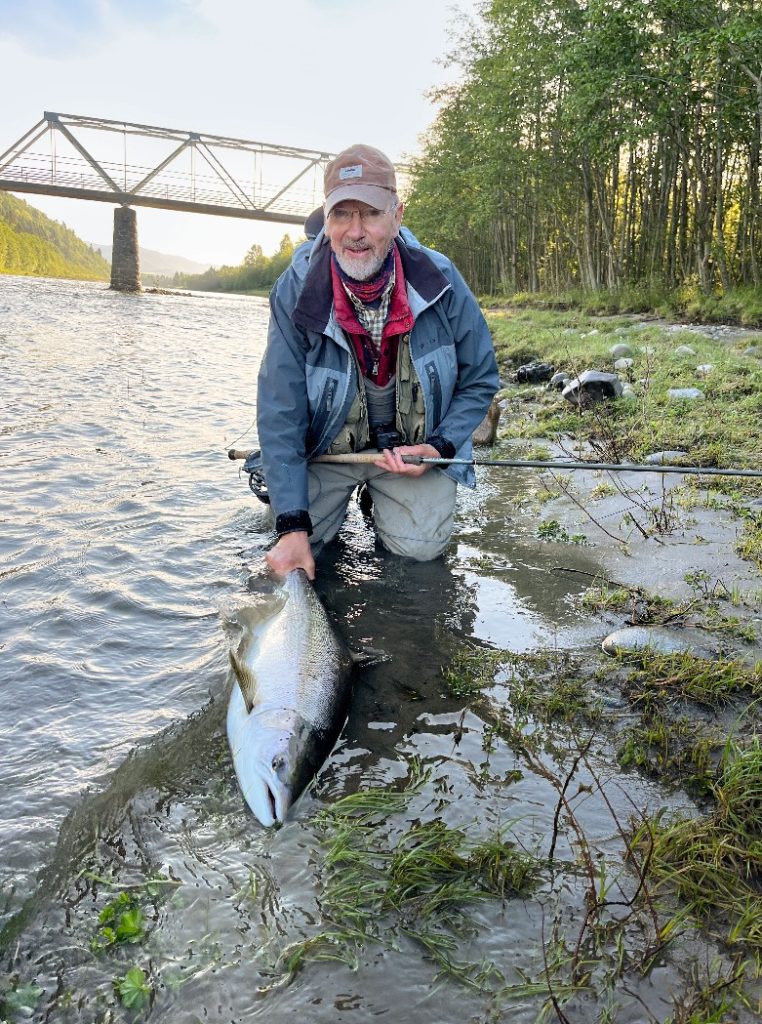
(257, 272)
(31, 243)
(600, 145)
(132, 989)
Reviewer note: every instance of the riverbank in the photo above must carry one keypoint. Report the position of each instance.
(679, 591)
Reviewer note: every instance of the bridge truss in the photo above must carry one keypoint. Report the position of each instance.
(80, 157)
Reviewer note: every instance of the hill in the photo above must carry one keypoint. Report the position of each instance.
(166, 264)
(33, 244)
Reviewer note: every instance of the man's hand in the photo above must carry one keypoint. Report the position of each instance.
(390, 459)
(292, 551)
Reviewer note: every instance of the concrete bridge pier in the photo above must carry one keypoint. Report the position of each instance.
(125, 262)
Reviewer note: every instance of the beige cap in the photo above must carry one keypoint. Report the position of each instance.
(362, 173)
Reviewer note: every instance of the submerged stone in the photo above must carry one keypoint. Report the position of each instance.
(659, 639)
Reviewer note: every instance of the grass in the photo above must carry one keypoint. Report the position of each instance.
(721, 431)
(714, 862)
(383, 879)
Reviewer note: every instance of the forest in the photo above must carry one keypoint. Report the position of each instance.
(33, 244)
(599, 145)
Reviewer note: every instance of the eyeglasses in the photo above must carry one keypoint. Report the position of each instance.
(368, 215)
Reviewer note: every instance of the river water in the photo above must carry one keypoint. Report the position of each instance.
(126, 540)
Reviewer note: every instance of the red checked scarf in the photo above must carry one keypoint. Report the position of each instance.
(377, 358)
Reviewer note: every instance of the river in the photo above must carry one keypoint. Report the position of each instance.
(126, 539)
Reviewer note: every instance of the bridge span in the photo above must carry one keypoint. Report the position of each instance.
(79, 157)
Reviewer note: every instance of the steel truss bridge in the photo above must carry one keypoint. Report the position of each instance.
(80, 157)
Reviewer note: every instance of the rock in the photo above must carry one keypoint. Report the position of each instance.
(628, 392)
(623, 364)
(486, 432)
(592, 386)
(704, 369)
(684, 351)
(534, 373)
(752, 350)
(660, 640)
(685, 394)
(668, 458)
(648, 350)
(620, 351)
(558, 381)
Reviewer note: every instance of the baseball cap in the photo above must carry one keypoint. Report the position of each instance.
(362, 173)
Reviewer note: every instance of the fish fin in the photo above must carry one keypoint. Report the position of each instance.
(368, 656)
(246, 681)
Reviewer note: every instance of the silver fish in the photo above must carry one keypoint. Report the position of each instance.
(291, 701)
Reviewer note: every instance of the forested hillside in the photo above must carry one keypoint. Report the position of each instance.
(257, 273)
(600, 145)
(31, 243)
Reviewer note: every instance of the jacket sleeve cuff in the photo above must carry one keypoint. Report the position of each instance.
(445, 448)
(293, 522)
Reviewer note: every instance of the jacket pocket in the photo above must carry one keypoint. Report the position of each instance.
(435, 388)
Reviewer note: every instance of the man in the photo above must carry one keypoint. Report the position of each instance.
(375, 343)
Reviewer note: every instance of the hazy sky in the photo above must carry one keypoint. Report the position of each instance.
(318, 74)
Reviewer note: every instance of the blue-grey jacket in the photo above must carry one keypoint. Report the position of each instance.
(308, 378)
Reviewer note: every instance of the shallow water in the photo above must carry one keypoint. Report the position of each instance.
(126, 538)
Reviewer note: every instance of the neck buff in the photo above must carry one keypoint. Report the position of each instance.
(369, 292)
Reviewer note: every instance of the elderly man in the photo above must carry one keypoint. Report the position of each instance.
(375, 344)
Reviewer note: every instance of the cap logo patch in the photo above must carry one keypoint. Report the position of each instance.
(350, 172)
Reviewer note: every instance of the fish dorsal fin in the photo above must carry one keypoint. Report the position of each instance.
(246, 681)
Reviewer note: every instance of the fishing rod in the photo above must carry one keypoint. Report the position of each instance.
(567, 464)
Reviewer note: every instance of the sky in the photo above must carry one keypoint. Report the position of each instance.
(316, 74)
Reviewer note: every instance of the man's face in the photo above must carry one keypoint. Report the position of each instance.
(360, 236)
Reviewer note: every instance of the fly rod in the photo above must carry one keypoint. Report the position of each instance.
(614, 467)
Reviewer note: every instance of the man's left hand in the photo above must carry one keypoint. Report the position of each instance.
(390, 459)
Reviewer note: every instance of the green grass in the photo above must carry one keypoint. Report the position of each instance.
(720, 431)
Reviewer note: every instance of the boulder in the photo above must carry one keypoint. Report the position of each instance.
(534, 373)
(486, 432)
(659, 639)
(621, 351)
(558, 381)
(669, 458)
(592, 386)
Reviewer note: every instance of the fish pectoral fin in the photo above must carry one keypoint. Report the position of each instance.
(246, 680)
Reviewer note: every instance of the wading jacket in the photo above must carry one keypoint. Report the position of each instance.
(308, 378)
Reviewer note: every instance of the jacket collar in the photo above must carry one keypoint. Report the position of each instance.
(314, 307)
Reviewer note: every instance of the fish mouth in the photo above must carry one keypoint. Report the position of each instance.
(268, 799)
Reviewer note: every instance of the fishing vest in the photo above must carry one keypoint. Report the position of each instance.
(354, 435)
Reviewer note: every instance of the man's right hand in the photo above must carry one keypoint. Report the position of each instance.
(292, 551)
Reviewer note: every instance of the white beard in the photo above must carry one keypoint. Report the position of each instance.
(359, 269)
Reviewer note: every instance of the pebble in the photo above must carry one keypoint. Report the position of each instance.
(685, 394)
(685, 350)
(620, 351)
